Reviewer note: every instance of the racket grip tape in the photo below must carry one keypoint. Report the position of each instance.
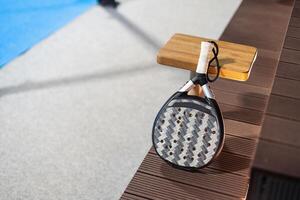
(203, 61)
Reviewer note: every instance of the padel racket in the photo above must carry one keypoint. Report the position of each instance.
(188, 131)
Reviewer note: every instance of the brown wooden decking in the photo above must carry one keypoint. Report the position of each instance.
(276, 167)
(280, 136)
(261, 23)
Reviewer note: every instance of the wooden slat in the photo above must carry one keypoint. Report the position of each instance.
(266, 70)
(292, 43)
(241, 146)
(278, 158)
(293, 32)
(288, 70)
(261, 80)
(145, 185)
(263, 71)
(284, 107)
(296, 12)
(254, 25)
(295, 22)
(286, 87)
(291, 56)
(241, 129)
(227, 183)
(232, 163)
(241, 114)
(182, 51)
(239, 88)
(266, 58)
(127, 196)
(240, 100)
(281, 131)
(241, 107)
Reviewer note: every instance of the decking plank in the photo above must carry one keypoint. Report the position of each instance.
(240, 146)
(127, 196)
(290, 55)
(240, 88)
(267, 58)
(207, 178)
(281, 130)
(288, 71)
(286, 87)
(241, 114)
(296, 12)
(292, 43)
(248, 26)
(232, 163)
(145, 185)
(241, 129)
(295, 22)
(240, 100)
(293, 32)
(278, 158)
(261, 80)
(263, 70)
(284, 107)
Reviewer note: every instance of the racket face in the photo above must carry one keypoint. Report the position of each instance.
(188, 132)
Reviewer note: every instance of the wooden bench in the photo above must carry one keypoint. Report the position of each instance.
(182, 51)
(243, 105)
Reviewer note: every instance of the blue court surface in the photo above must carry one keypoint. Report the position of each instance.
(25, 23)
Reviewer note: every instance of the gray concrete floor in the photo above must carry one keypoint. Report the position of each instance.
(76, 110)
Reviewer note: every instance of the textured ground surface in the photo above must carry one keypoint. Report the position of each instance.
(77, 109)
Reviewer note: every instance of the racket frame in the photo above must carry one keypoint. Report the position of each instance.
(199, 79)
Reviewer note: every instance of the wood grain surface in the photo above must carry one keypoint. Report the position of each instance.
(182, 51)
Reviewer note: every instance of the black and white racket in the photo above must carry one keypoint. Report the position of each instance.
(188, 131)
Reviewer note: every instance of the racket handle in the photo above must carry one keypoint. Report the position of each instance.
(202, 66)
